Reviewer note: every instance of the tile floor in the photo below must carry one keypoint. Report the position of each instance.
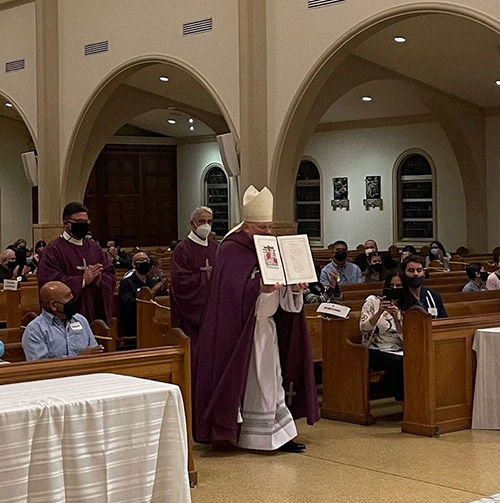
(349, 463)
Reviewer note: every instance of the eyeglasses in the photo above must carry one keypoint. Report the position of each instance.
(71, 221)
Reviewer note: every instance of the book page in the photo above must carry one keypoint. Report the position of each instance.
(271, 268)
(297, 259)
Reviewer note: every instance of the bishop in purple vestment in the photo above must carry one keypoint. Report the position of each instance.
(255, 369)
(192, 263)
(80, 264)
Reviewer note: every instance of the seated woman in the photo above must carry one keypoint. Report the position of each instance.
(437, 252)
(382, 330)
(375, 270)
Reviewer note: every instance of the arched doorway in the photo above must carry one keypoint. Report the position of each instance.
(18, 195)
(356, 58)
(153, 108)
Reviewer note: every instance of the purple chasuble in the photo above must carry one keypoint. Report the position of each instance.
(190, 271)
(225, 346)
(66, 262)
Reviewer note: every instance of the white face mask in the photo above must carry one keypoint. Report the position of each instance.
(435, 251)
(369, 250)
(203, 230)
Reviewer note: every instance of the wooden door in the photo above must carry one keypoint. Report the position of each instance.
(132, 194)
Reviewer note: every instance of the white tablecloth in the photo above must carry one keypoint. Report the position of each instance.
(94, 438)
(486, 410)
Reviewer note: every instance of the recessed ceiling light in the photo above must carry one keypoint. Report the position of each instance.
(191, 128)
(400, 40)
(367, 98)
(10, 105)
(190, 121)
(164, 79)
(497, 82)
(172, 121)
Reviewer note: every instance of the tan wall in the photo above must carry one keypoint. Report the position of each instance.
(135, 29)
(15, 191)
(17, 41)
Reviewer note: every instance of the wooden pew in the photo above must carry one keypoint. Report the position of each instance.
(170, 364)
(346, 376)
(439, 370)
(20, 302)
(153, 319)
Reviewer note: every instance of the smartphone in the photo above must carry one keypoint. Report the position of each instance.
(387, 293)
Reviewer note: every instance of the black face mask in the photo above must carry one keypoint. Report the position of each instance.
(70, 308)
(11, 265)
(376, 267)
(143, 267)
(79, 229)
(416, 281)
(484, 275)
(340, 256)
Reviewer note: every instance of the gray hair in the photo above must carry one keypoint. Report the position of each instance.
(200, 209)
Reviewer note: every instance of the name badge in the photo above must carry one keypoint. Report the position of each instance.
(76, 325)
(432, 311)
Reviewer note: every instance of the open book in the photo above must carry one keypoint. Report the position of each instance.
(285, 259)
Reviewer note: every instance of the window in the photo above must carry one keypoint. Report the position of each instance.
(416, 199)
(217, 198)
(308, 201)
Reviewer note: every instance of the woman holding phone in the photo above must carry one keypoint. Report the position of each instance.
(381, 325)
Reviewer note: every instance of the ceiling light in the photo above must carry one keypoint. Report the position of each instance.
(10, 105)
(497, 83)
(400, 40)
(172, 121)
(367, 98)
(190, 121)
(164, 79)
(191, 128)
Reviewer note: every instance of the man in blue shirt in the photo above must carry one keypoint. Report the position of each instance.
(58, 331)
(339, 269)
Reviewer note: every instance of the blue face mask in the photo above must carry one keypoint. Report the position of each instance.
(29, 260)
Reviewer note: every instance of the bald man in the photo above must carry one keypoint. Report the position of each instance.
(58, 332)
(127, 295)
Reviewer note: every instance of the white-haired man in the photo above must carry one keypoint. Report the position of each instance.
(8, 265)
(192, 262)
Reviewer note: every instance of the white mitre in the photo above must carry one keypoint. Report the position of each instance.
(257, 206)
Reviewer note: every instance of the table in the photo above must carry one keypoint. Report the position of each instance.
(486, 409)
(93, 438)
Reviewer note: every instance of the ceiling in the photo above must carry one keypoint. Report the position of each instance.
(449, 53)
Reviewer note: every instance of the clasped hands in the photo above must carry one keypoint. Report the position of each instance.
(93, 274)
(272, 288)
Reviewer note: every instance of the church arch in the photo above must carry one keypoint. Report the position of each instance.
(311, 102)
(95, 125)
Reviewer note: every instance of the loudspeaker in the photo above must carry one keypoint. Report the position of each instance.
(30, 163)
(227, 149)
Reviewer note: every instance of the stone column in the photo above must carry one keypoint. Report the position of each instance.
(49, 157)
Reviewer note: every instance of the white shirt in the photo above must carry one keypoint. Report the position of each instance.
(196, 239)
(72, 240)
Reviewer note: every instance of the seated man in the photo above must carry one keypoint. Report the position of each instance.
(58, 331)
(362, 259)
(117, 256)
(477, 278)
(127, 293)
(8, 265)
(347, 272)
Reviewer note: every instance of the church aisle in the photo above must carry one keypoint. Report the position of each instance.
(349, 463)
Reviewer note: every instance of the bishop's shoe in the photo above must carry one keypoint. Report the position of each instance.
(292, 446)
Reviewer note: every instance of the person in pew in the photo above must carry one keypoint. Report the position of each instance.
(127, 295)
(254, 373)
(81, 264)
(361, 260)
(381, 326)
(375, 271)
(192, 263)
(407, 251)
(437, 252)
(477, 278)
(415, 294)
(59, 331)
(316, 293)
(115, 254)
(347, 272)
(493, 281)
(8, 265)
(39, 247)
